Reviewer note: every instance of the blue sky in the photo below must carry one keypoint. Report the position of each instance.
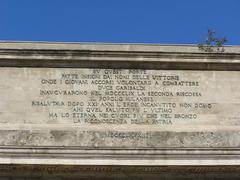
(119, 21)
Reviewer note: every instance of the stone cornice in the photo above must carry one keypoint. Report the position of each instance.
(119, 59)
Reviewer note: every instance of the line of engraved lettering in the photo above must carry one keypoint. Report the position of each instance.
(57, 92)
(129, 135)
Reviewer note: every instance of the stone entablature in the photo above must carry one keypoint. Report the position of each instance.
(118, 104)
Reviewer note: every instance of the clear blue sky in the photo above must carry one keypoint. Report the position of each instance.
(119, 21)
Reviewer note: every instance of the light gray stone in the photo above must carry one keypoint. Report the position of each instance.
(119, 108)
(118, 104)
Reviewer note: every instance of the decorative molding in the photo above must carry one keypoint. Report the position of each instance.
(130, 59)
(79, 170)
(131, 157)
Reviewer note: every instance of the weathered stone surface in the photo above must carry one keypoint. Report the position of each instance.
(106, 104)
(119, 108)
(43, 172)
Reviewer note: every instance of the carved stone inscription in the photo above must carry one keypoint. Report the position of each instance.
(119, 99)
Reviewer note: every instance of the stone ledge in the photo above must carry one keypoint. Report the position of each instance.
(114, 156)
